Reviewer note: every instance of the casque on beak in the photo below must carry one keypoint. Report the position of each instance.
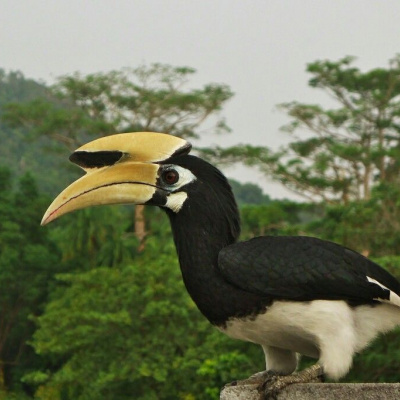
(120, 169)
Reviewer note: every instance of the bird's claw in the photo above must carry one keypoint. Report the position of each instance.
(257, 379)
(269, 383)
(274, 384)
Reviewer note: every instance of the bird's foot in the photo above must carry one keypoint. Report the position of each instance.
(257, 379)
(273, 384)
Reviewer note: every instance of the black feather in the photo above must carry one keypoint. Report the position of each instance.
(304, 268)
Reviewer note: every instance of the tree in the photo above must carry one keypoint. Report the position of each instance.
(133, 332)
(248, 193)
(141, 99)
(347, 149)
(279, 217)
(15, 87)
(28, 262)
(96, 237)
(369, 226)
(16, 151)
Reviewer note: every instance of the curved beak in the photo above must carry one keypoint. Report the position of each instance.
(119, 169)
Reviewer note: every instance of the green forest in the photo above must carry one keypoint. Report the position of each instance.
(94, 307)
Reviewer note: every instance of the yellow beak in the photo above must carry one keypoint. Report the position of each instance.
(120, 169)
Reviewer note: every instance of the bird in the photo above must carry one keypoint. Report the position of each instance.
(293, 295)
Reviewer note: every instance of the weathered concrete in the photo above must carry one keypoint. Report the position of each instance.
(320, 391)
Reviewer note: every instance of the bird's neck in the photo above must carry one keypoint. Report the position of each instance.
(199, 236)
(198, 243)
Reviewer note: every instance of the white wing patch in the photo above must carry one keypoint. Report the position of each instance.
(393, 297)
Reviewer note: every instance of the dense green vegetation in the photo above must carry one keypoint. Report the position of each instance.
(89, 309)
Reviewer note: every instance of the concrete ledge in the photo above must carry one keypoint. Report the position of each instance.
(320, 391)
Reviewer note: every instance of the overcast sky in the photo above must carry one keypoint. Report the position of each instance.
(259, 48)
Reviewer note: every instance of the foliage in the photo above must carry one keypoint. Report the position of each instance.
(15, 87)
(147, 98)
(369, 226)
(96, 236)
(28, 261)
(131, 332)
(17, 150)
(283, 217)
(343, 151)
(351, 145)
(248, 193)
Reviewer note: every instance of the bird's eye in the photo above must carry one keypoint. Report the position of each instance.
(170, 176)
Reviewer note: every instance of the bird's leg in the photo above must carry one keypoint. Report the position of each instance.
(274, 384)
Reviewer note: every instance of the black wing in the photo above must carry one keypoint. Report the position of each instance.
(304, 268)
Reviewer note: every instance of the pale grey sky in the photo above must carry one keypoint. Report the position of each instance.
(259, 48)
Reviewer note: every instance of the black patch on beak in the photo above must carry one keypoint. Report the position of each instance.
(159, 198)
(95, 159)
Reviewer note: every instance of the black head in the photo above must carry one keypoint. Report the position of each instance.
(194, 192)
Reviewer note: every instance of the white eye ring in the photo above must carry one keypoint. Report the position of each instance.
(179, 177)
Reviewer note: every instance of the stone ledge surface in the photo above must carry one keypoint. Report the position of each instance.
(320, 391)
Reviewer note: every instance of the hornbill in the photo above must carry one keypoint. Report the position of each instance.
(292, 295)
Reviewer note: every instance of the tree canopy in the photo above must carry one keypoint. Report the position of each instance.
(147, 98)
(337, 154)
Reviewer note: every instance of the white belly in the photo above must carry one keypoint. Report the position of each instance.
(289, 325)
